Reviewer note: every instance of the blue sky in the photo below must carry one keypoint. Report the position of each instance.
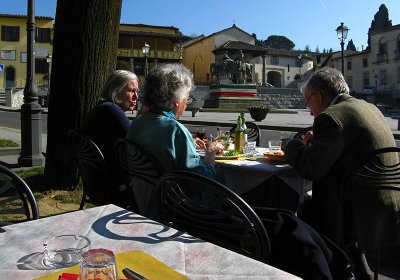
(307, 22)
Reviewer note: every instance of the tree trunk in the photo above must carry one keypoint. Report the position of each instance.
(84, 52)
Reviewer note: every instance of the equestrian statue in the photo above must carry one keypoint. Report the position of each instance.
(237, 71)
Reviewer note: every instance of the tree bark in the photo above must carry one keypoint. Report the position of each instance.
(84, 52)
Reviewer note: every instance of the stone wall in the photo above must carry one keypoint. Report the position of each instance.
(281, 98)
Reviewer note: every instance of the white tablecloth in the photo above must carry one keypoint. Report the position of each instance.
(242, 176)
(119, 230)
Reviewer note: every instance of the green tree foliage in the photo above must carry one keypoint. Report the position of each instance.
(351, 46)
(84, 52)
(278, 42)
(381, 20)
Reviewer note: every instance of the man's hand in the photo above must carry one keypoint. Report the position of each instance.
(308, 137)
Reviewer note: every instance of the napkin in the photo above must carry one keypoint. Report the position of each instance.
(136, 260)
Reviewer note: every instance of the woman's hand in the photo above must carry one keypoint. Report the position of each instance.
(200, 145)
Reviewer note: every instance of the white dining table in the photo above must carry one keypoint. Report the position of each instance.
(243, 176)
(119, 230)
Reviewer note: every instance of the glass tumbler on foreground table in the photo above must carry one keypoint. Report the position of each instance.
(65, 250)
(98, 264)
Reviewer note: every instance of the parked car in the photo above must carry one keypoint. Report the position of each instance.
(367, 89)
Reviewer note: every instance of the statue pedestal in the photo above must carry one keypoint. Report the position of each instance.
(232, 96)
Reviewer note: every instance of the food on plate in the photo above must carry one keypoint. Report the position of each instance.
(275, 153)
(231, 153)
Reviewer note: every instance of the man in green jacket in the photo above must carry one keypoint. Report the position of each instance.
(344, 129)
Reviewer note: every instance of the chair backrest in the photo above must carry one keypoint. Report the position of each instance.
(17, 203)
(300, 134)
(122, 156)
(371, 191)
(144, 171)
(92, 168)
(253, 133)
(208, 210)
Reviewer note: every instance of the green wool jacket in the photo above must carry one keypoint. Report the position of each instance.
(342, 133)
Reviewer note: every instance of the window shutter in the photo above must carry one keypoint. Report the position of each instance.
(3, 33)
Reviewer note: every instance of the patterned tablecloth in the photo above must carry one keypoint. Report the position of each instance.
(111, 227)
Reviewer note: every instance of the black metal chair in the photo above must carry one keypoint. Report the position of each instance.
(144, 170)
(17, 203)
(253, 133)
(93, 169)
(208, 210)
(371, 198)
(300, 134)
(122, 156)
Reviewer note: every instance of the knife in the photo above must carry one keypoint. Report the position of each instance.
(130, 274)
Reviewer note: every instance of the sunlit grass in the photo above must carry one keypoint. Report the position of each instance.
(7, 143)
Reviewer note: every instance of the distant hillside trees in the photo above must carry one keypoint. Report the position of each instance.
(276, 42)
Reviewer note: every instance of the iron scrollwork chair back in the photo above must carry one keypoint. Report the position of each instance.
(93, 169)
(17, 203)
(209, 210)
(253, 133)
(371, 190)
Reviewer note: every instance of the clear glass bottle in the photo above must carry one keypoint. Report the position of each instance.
(239, 135)
(245, 131)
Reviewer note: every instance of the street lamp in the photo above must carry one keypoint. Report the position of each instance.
(146, 50)
(31, 111)
(300, 62)
(342, 35)
(48, 59)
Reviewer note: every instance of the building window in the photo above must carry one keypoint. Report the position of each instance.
(10, 33)
(43, 35)
(383, 77)
(383, 49)
(138, 69)
(274, 60)
(365, 78)
(365, 62)
(348, 65)
(41, 66)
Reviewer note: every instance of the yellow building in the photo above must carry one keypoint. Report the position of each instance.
(163, 43)
(198, 52)
(13, 46)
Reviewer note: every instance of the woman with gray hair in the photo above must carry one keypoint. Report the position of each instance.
(166, 95)
(107, 122)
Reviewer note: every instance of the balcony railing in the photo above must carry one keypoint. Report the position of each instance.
(381, 57)
(152, 54)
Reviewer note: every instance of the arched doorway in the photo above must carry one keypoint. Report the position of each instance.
(274, 78)
(10, 77)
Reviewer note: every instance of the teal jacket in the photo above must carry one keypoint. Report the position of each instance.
(172, 144)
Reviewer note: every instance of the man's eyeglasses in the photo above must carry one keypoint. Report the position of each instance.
(189, 100)
(308, 100)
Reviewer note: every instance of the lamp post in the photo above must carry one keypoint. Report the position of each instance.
(31, 111)
(342, 35)
(376, 77)
(48, 59)
(300, 63)
(146, 50)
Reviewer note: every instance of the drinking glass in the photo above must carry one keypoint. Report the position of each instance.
(274, 145)
(98, 264)
(65, 250)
